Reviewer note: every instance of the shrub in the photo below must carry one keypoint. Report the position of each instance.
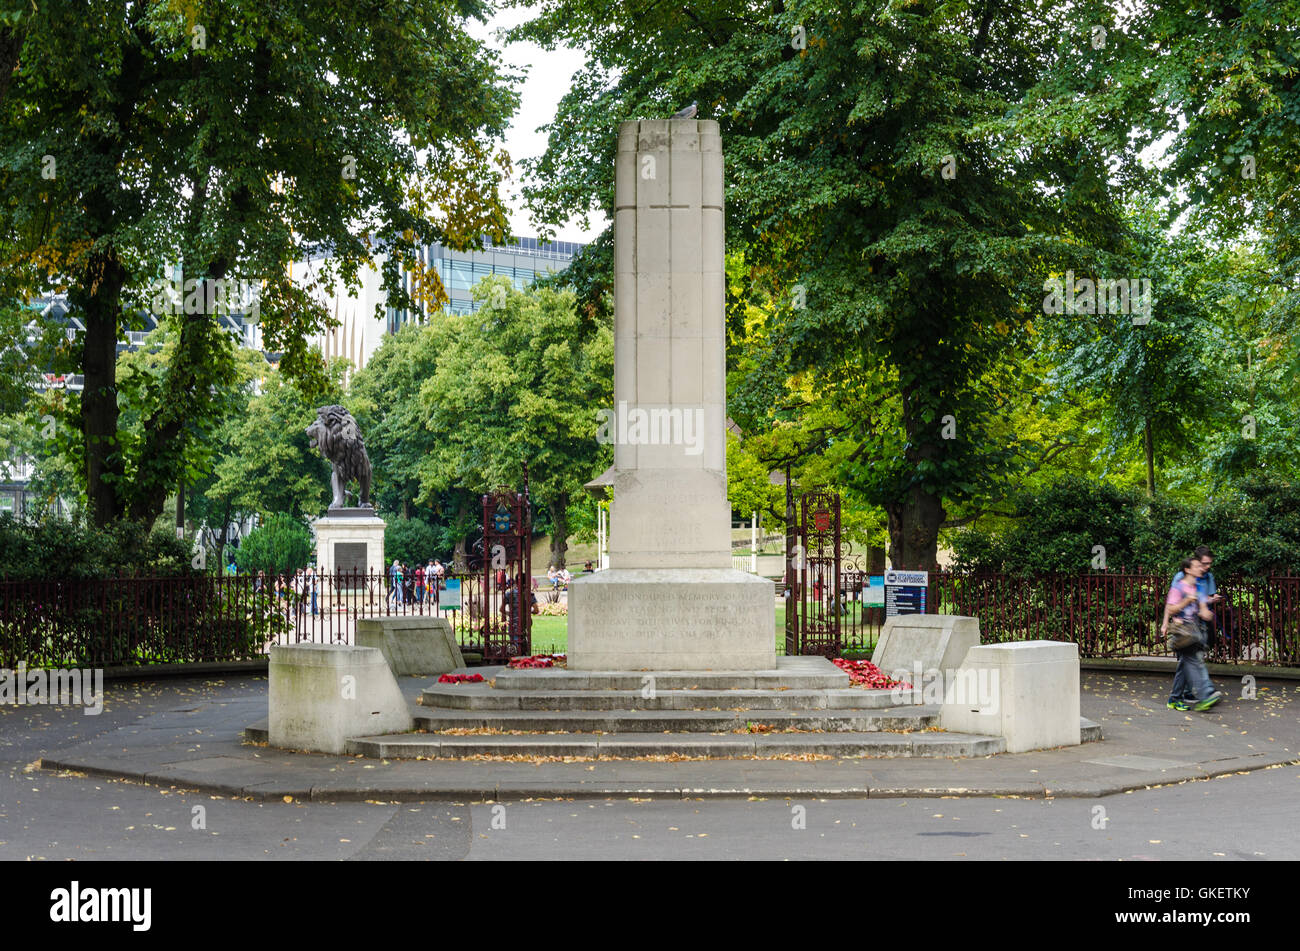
(280, 544)
(410, 540)
(1253, 531)
(72, 549)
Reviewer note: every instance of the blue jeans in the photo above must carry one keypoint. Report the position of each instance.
(1191, 679)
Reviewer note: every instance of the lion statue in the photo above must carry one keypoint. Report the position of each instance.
(334, 432)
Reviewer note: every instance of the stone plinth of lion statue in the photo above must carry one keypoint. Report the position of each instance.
(334, 432)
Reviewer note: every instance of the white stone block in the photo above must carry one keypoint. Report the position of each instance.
(687, 228)
(711, 187)
(628, 135)
(912, 643)
(687, 373)
(652, 366)
(653, 242)
(1025, 691)
(667, 518)
(625, 294)
(671, 619)
(322, 695)
(334, 530)
(625, 172)
(685, 136)
(412, 645)
(685, 187)
(625, 241)
(712, 242)
(687, 301)
(653, 302)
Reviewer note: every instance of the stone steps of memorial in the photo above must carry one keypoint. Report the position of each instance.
(678, 745)
(408, 745)
(485, 697)
(680, 721)
(796, 673)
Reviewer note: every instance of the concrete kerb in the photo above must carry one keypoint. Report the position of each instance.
(484, 789)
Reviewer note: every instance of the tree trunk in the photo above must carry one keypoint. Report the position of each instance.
(1149, 447)
(98, 299)
(458, 560)
(914, 530)
(915, 517)
(559, 509)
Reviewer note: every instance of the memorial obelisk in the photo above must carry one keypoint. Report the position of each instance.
(670, 599)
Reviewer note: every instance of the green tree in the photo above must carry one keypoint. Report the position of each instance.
(895, 190)
(227, 139)
(1153, 379)
(266, 463)
(386, 397)
(519, 383)
(410, 540)
(280, 544)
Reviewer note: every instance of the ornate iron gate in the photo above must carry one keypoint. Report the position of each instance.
(814, 599)
(507, 623)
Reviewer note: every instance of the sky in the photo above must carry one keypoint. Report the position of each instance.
(549, 75)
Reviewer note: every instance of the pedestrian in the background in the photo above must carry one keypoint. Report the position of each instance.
(395, 578)
(1207, 592)
(1184, 607)
(311, 587)
(419, 584)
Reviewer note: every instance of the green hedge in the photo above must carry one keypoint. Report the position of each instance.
(1253, 532)
(59, 548)
(72, 595)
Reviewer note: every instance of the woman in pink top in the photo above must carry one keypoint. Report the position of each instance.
(1184, 600)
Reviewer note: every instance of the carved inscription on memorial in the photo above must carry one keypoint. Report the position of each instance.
(691, 616)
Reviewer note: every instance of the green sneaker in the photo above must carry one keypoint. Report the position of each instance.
(1177, 705)
(1209, 701)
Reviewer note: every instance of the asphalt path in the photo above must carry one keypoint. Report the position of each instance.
(43, 815)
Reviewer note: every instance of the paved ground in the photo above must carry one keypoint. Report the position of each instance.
(190, 728)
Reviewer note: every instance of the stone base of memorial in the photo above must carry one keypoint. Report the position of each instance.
(1025, 691)
(349, 541)
(671, 619)
(412, 645)
(321, 695)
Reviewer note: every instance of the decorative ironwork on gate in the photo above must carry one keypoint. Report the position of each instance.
(507, 618)
(815, 599)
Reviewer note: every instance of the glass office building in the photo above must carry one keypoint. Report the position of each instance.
(522, 260)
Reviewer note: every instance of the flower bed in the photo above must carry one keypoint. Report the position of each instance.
(863, 673)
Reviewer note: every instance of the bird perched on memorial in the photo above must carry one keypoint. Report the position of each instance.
(687, 113)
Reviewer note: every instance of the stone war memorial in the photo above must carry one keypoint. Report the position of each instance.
(671, 599)
(671, 650)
